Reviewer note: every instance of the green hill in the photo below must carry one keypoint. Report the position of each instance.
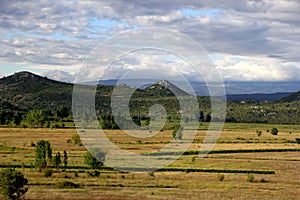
(27, 91)
(24, 91)
(291, 98)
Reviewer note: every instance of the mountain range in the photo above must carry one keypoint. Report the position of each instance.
(25, 91)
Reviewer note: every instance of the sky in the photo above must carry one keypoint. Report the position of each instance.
(247, 40)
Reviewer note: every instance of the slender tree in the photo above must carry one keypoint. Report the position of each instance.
(43, 154)
(65, 159)
(57, 160)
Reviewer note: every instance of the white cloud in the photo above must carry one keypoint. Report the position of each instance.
(60, 34)
(53, 67)
(60, 76)
(258, 69)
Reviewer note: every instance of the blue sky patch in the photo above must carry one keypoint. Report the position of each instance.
(193, 13)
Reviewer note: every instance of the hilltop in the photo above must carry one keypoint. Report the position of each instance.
(291, 98)
(26, 91)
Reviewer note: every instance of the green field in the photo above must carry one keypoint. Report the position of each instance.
(273, 160)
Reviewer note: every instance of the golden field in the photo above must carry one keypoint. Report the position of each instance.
(284, 184)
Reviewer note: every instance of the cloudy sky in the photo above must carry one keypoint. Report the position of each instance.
(248, 40)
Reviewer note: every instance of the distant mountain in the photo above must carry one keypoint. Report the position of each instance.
(164, 88)
(293, 97)
(26, 91)
(258, 97)
(259, 90)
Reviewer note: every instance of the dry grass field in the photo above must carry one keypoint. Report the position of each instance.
(16, 150)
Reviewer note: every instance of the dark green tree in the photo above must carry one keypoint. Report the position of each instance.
(207, 117)
(43, 154)
(186, 119)
(65, 159)
(201, 117)
(177, 133)
(36, 118)
(13, 184)
(62, 112)
(57, 160)
(17, 118)
(95, 162)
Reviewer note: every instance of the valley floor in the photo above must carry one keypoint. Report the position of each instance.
(276, 174)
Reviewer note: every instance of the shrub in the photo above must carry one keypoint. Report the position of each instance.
(258, 133)
(56, 125)
(297, 140)
(221, 177)
(32, 144)
(274, 131)
(177, 133)
(94, 173)
(67, 185)
(76, 174)
(151, 174)
(250, 178)
(47, 173)
(194, 158)
(263, 180)
(66, 176)
(13, 184)
(75, 140)
(93, 162)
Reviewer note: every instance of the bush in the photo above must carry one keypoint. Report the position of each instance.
(32, 144)
(47, 173)
(151, 174)
(298, 140)
(13, 184)
(258, 133)
(56, 125)
(93, 162)
(250, 178)
(221, 177)
(75, 140)
(94, 173)
(177, 133)
(67, 185)
(263, 180)
(274, 131)
(76, 174)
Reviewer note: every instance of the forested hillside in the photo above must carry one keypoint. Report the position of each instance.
(27, 99)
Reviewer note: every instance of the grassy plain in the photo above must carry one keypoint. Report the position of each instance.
(16, 150)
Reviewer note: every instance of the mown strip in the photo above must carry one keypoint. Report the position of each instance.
(167, 169)
(188, 170)
(8, 148)
(225, 151)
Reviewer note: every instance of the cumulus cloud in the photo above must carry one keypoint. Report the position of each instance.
(258, 69)
(59, 35)
(60, 76)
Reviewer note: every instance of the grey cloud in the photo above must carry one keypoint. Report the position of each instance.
(60, 76)
(262, 28)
